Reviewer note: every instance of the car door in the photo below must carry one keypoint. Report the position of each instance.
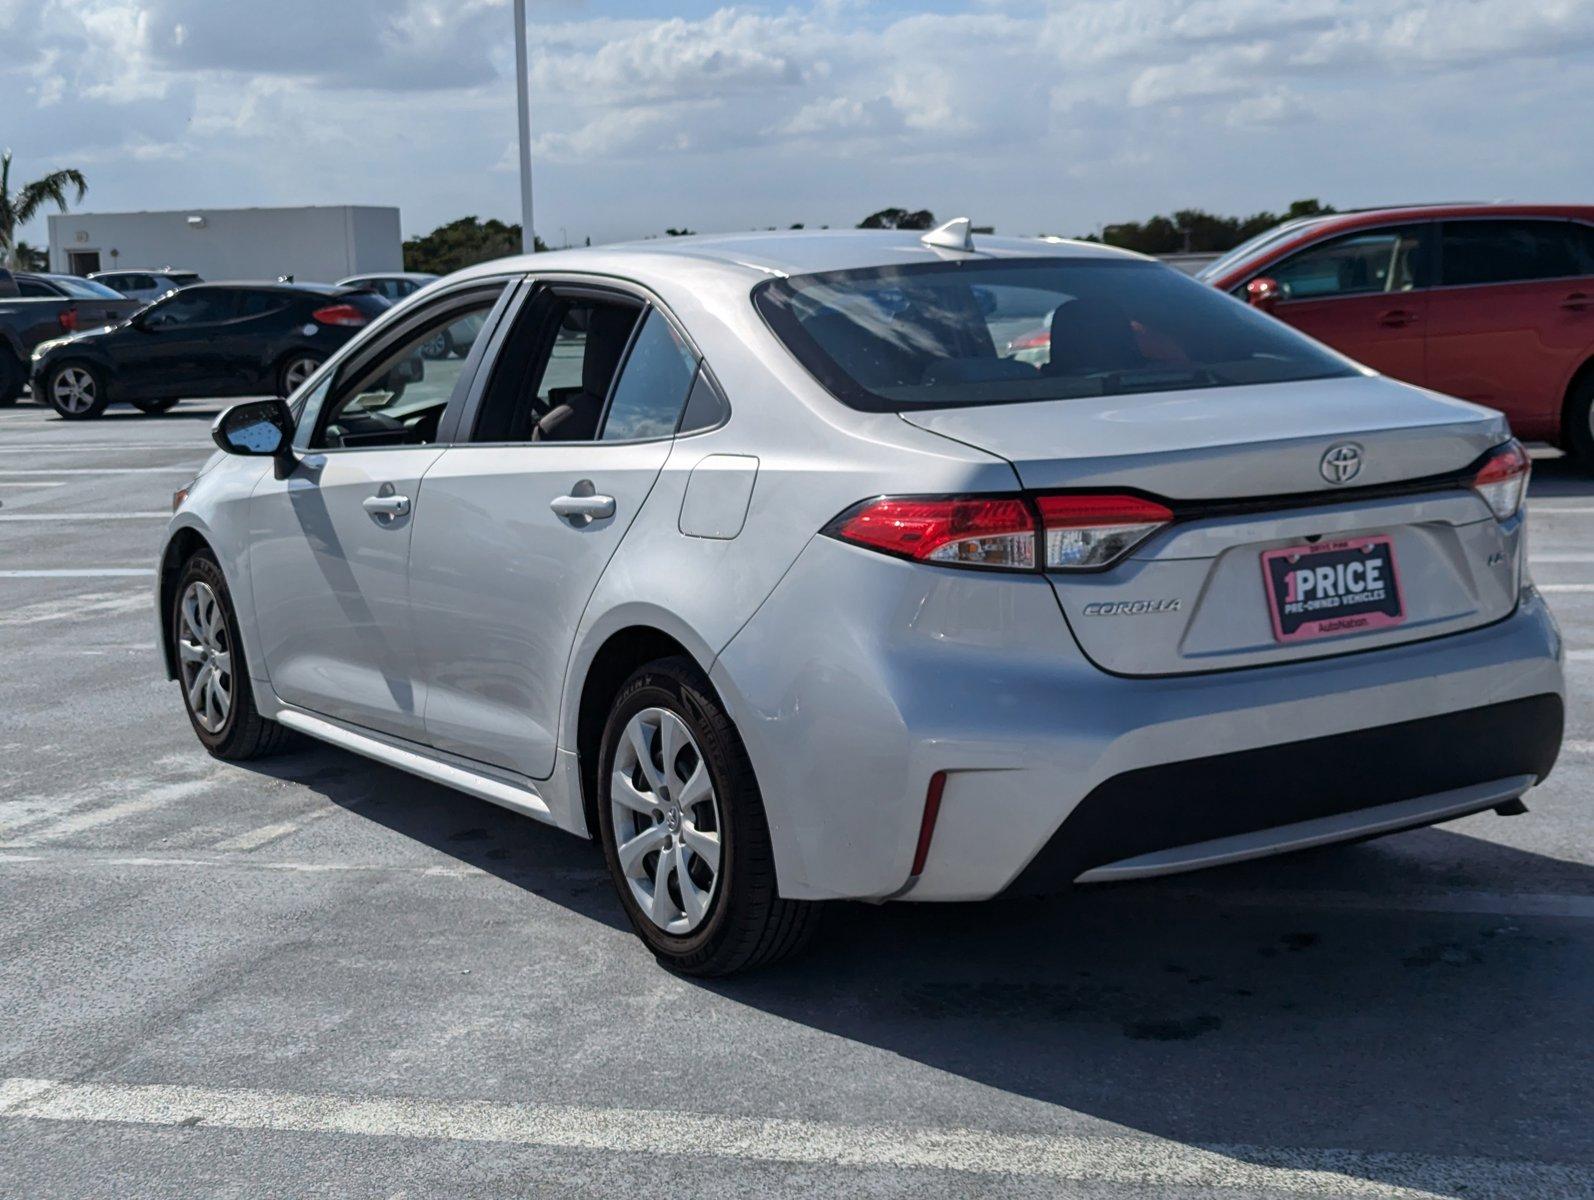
(175, 348)
(1514, 315)
(329, 543)
(570, 432)
(1365, 294)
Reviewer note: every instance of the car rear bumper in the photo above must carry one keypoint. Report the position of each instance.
(861, 678)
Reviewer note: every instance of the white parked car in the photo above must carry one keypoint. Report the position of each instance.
(146, 285)
(760, 560)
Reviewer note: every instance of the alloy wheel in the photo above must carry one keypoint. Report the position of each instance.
(205, 655)
(74, 390)
(666, 820)
(297, 372)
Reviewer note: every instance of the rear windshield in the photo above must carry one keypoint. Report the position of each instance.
(951, 334)
(184, 278)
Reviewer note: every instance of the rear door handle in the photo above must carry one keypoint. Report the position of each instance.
(387, 506)
(1578, 301)
(1397, 317)
(591, 508)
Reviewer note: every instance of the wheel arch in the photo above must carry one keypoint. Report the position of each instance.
(184, 544)
(614, 661)
(1580, 377)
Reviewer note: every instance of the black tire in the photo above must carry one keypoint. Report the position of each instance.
(244, 734)
(284, 389)
(12, 377)
(439, 347)
(1580, 422)
(96, 406)
(747, 923)
(151, 407)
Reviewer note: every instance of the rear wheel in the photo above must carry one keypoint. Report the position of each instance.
(295, 369)
(76, 391)
(11, 378)
(684, 833)
(1580, 422)
(211, 667)
(155, 406)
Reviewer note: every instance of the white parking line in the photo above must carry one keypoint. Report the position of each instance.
(1561, 558)
(76, 572)
(70, 824)
(1565, 587)
(1580, 655)
(99, 447)
(1143, 1162)
(33, 483)
(188, 469)
(87, 516)
(1561, 510)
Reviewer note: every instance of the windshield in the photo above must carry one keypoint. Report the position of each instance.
(1249, 249)
(949, 334)
(84, 289)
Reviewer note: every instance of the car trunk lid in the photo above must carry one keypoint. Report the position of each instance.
(1247, 473)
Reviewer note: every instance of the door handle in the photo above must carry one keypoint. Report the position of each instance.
(590, 508)
(1395, 318)
(387, 506)
(1578, 301)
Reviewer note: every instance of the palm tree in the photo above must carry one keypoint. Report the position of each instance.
(17, 210)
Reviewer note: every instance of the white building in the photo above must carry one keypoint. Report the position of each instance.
(321, 243)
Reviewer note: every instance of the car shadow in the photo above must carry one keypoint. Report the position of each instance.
(1401, 998)
(1554, 474)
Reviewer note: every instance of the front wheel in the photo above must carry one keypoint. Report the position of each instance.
(151, 407)
(76, 391)
(684, 832)
(211, 667)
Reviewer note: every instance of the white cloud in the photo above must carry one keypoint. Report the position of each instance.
(1035, 114)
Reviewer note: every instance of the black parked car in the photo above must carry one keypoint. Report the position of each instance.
(35, 308)
(213, 339)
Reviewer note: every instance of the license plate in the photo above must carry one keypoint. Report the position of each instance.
(1345, 586)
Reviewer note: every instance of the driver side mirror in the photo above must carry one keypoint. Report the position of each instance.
(1264, 293)
(258, 429)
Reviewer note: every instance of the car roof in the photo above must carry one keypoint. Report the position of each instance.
(271, 285)
(425, 276)
(790, 252)
(142, 271)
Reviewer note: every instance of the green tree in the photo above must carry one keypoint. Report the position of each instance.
(1195, 231)
(19, 207)
(899, 218)
(463, 243)
(30, 258)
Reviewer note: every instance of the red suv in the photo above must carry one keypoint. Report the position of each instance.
(1489, 302)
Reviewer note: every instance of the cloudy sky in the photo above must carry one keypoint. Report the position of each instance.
(1033, 115)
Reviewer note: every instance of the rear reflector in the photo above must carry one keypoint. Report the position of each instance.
(1502, 481)
(340, 314)
(967, 531)
(932, 810)
(1083, 532)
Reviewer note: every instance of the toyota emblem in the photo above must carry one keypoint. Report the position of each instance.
(1341, 463)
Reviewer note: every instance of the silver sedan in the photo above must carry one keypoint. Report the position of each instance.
(770, 563)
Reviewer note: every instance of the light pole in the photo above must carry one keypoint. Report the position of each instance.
(528, 238)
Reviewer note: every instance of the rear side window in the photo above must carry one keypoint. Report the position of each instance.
(1483, 252)
(653, 384)
(259, 304)
(86, 289)
(192, 308)
(33, 289)
(949, 334)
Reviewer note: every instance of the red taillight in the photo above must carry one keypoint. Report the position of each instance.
(969, 531)
(340, 314)
(1502, 481)
(67, 318)
(1083, 532)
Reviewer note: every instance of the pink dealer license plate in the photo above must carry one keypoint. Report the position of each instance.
(1345, 586)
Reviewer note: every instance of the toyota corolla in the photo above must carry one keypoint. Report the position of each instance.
(762, 561)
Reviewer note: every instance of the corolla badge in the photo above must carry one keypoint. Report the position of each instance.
(1341, 462)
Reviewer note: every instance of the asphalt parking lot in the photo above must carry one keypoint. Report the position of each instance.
(315, 976)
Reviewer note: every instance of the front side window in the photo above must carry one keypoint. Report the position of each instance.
(398, 395)
(191, 308)
(653, 385)
(940, 335)
(1474, 253)
(1358, 264)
